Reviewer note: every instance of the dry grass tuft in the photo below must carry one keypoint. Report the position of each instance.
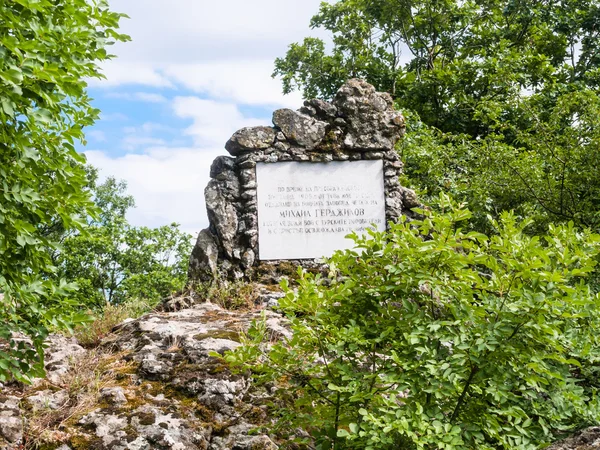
(86, 376)
(91, 334)
(238, 295)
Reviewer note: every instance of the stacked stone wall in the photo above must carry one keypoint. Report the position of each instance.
(359, 124)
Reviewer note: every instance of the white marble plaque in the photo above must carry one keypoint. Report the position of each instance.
(305, 209)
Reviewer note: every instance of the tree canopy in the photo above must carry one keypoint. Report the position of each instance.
(504, 92)
(114, 261)
(48, 48)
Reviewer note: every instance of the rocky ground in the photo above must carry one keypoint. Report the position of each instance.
(153, 384)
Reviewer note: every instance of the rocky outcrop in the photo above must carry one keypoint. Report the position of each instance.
(588, 439)
(154, 384)
(359, 124)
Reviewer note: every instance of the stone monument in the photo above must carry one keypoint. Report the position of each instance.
(292, 192)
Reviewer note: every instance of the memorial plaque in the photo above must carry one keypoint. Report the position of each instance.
(305, 210)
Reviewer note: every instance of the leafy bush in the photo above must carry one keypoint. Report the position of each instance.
(47, 51)
(114, 262)
(432, 337)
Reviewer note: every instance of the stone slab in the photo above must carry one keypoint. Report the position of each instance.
(306, 210)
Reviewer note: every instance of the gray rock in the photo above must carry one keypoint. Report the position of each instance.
(221, 164)
(60, 352)
(322, 110)
(249, 139)
(113, 395)
(222, 214)
(300, 128)
(11, 422)
(248, 258)
(372, 122)
(46, 399)
(203, 261)
(587, 439)
(409, 198)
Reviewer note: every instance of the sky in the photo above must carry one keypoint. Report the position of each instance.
(194, 72)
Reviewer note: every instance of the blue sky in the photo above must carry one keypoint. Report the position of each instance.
(195, 72)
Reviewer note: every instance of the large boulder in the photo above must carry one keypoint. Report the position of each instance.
(250, 139)
(299, 128)
(371, 121)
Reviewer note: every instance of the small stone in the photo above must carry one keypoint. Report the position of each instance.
(387, 182)
(409, 198)
(282, 146)
(247, 176)
(322, 109)
(341, 156)
(300, 128)
(113, 395)
(221, 164)
(249, 194)
(11, 423)
(249, 139)
(322, 157)
(248, 259)
(373, 155)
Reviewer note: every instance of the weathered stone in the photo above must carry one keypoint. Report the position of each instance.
(321, 157)
(372, 123)
(11, 422)
(222, 214)
(409, 198)
(322, 109)
(360, 124)
(60, 352)
(249, 139)
(203, 261)
(300, 128)
(373, 155)
(249, 193)
(341, 156)
(46, 399)
(248, 259)
(113, 395)
(282, 146)
(588, 439)
(222, 164)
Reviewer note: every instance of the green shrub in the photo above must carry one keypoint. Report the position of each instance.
(429, 337)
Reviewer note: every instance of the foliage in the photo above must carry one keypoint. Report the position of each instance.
(114, 262)
(444, 58)
(232, 295)
(504, 95)
(91, 334)
(47, 50)
(433, 337)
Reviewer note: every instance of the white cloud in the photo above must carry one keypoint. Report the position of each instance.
(223, 51)
(245, 82)
(213, 122)
(192, 31)
(167, 184)
(138, 96)
(124, 71)
(132, 142)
